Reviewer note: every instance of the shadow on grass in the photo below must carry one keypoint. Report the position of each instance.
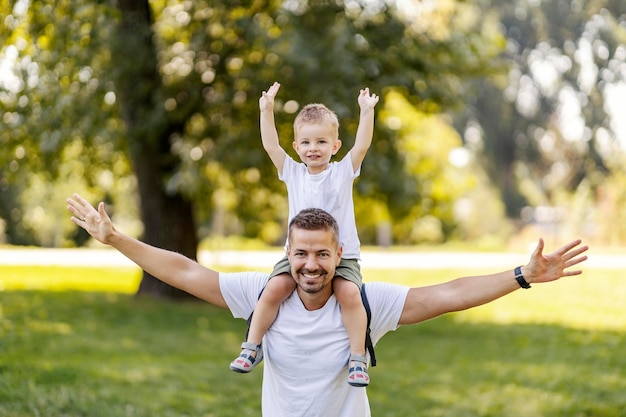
(103, 354)
(445, 367)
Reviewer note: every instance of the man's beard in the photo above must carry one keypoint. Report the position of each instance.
(320, 281)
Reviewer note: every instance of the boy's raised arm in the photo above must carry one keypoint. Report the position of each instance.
(365, 131)
(170, 267)
(269, 135)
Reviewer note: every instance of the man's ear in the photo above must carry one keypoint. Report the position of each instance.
(336, 146)
(339, 252)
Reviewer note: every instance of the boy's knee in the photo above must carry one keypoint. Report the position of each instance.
(345, 285)
(346, 290)
(279, 287)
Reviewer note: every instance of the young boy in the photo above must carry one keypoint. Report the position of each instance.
(317, 183)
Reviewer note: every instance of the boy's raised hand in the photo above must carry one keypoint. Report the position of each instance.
(367, 101)
(266, 102)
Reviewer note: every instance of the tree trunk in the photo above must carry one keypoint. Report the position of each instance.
(167, 217)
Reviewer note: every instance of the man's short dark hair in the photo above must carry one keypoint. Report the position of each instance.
(315, 219)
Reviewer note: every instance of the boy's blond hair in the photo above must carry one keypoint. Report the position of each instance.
(316, 113)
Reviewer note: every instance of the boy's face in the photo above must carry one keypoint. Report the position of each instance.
(315, 145)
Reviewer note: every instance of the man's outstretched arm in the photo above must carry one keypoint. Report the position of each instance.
(467, 292)
(170, 267)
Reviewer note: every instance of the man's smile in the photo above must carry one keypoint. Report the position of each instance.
(312, 275)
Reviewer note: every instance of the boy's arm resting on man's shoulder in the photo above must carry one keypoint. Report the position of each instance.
(467, 292)
(170, 267)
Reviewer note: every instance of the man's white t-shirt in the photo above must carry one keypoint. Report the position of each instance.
(331, 191)
(306, 352)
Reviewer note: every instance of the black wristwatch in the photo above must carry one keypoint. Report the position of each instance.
(520, 278)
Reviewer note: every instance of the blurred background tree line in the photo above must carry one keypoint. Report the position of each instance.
(495, 115)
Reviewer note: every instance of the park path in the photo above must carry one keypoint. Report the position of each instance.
(266, 259)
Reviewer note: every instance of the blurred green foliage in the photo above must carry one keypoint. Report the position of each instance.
(81, 103)
(78, 94)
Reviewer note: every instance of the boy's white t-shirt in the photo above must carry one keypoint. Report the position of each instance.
(330, 190)
(306, 352)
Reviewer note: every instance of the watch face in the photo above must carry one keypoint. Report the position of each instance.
(520, 278)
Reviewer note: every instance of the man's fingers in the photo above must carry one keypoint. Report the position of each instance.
(80, 208)
(566, 248)
(575, 261)
(102, 211)
(81, 200)
(71, 207)
(575, 252)
(80, 205)
(77, 220)
(539, 249)
(571, 273)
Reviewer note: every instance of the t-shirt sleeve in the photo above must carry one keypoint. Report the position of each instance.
(386, 303)
(241, 291)
(347, 160)
(288, 169)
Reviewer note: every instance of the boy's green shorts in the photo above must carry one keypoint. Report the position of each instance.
(348, 269)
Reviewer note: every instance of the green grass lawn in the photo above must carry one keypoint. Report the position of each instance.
(62, 278)
(76, 342)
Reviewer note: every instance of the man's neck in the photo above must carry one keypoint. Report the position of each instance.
(315, 301)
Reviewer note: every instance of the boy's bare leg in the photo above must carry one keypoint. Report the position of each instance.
(353, 315)
(276, 291)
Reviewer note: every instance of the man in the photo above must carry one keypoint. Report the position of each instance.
(306, 348)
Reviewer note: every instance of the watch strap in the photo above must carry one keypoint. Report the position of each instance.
(520, 278)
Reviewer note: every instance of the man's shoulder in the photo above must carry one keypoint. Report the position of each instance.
(252, 280)
(381, 292)
(386, 302)
(241, 290)
(382, 285)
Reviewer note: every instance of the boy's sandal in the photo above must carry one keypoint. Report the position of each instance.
(357, 374)
(245, 362)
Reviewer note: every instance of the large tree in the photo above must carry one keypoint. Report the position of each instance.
(167, 214)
